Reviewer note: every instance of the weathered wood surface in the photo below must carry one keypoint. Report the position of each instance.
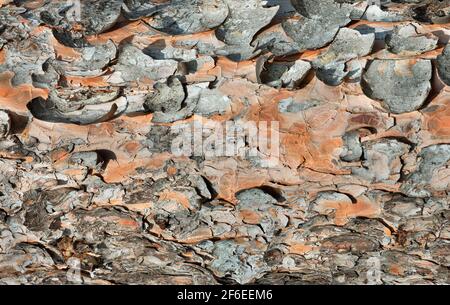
(91, 191)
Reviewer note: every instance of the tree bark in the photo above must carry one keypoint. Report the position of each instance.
(316, 142)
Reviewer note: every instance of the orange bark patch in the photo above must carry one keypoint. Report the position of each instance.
(96, 81)
(128, 223)
(132, 147)
(63, 52)
(250, 217)
(345, 210)
(197, 236)
(171, 171)
(300, 249)
(175, 196)
(2, 56)
(437, 118)
(396, 270)
(121, 169)
(16, 98)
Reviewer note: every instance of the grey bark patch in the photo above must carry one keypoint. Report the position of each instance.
(88, 159)
(238, 52)
(355, 69)
(296, 74)
(443, 65)
(46, 112)
(168, 97)
(190, 16)
(285, 8)
(228, 262)
(79, 106)
(133, 64)
(10, 26)
(352, 147)
(160, 50)
(135, 9)
(69, 99)
(93, 60)
(244, 21)
(97, 16)
(51, 13)
(283, 74)
(407, 40)
(212, 102)
(310, 34)
(48, 78)
(171, 101)
(380, 32)
(291, 106)
(329, 9)
(277, 42)
(402, 207)
(159, 139)
(349, 44)
(250, 16)
(27, 57)
(376, 13)
(332, 73)
(254, 198)
(36, 217)
(5, 124)
(401, 85)
(321, 23)
(382, 160)
(431, 159)
(71, 39)
(322, 20)
(431, 11)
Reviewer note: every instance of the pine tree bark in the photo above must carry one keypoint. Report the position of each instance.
(354, 100)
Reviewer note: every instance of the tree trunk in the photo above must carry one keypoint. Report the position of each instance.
(224, 141)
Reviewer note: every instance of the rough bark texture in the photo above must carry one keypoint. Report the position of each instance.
(91, 192)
